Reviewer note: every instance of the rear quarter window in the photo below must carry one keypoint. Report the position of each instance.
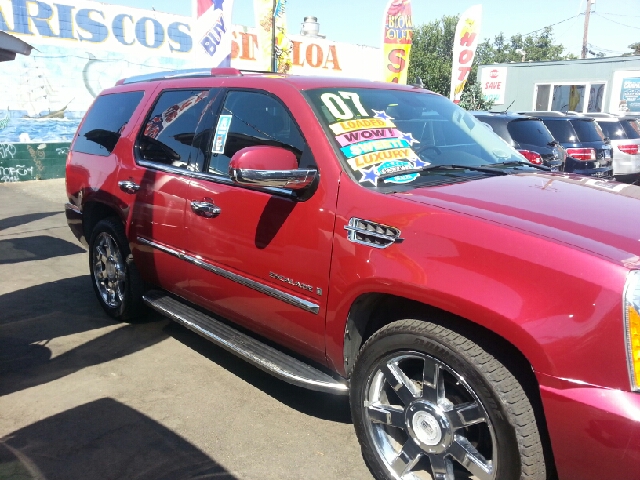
(613, 130)
(562, 131)
(587, 131)
(531, 132)
(105, 121)
(631, 128)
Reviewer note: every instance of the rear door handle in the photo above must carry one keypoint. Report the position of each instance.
(128, 186)
(205, 209)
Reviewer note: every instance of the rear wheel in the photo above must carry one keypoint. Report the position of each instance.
(430, 403)
(114, 275)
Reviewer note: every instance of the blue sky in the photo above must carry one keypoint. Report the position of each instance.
(614, 25)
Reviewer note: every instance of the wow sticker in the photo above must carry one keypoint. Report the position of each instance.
(361, 124)
(374, 158)
(373, 146)
(362, 135)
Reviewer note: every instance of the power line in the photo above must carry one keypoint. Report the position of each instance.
(554, 24)
(619, 14)
(613, 21)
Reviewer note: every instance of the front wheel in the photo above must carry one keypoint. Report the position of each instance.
(429, 403)
(114, 275)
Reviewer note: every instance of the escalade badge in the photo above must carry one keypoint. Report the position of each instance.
(302, 286)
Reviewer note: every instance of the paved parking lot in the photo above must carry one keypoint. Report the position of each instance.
(84, 397)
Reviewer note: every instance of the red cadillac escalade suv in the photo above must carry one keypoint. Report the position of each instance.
(374, 240)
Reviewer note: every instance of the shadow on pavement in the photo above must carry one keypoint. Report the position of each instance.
(41, 247)
(35, 315)
(103, 439)
(24, 219)
(316, 404)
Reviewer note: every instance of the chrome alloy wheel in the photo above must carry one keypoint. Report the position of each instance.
(109, 270)
(426, 421)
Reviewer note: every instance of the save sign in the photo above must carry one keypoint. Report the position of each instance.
(464, 49)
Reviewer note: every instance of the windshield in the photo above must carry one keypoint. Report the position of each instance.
(380, 131)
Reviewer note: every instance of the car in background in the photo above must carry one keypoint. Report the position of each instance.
(587, 151)
(528, 135)
(624, 135)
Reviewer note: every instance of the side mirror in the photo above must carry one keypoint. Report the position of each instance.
(266, 166)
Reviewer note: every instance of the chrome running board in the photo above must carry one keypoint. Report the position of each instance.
(263, 356)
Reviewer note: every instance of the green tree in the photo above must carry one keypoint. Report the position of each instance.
(635, 47)
(432, 52)
(535, 47)
(472, 98)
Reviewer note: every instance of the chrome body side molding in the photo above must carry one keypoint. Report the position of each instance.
(234, 277)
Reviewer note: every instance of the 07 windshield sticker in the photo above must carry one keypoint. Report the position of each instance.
(373, 146)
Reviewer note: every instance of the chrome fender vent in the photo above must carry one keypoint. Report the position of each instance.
(371, 233)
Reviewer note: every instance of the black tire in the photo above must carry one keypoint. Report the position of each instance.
(114, 276)
(424, 396)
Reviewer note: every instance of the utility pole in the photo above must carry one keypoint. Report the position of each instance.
(586, 29)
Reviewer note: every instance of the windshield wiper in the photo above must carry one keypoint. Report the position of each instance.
(553, 143)
(451, 166)
(515, 163)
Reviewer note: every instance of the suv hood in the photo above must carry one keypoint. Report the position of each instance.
(590, 214)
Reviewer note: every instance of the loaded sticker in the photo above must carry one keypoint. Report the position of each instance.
(361, 124)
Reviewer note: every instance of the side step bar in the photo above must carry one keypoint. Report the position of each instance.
(263, 356)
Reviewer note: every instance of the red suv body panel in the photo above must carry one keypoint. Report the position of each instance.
(500, 252)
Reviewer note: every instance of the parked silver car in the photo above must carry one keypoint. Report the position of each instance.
(624, 134)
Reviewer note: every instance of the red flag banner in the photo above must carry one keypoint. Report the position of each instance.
(398, 35)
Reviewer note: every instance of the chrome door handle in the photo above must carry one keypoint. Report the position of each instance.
(205, 209)
(128, 186)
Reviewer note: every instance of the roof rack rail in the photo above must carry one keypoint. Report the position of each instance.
(190, 72)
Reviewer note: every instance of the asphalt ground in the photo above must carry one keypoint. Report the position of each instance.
(85, 397)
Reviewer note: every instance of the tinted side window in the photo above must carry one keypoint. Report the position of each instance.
(255, 119)
(167, 135)
(587, 131)
(631, 127)
(532, 132)
(499, 126)
(105, 121)
(562, 131)
(613, 130)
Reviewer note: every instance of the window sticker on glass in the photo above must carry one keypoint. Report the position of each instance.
(392, 166)
(222, 131)
(372, 146)
(381, 120)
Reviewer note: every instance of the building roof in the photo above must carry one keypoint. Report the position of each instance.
(10, 46)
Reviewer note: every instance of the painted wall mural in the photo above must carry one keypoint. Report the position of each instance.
(83, 47)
